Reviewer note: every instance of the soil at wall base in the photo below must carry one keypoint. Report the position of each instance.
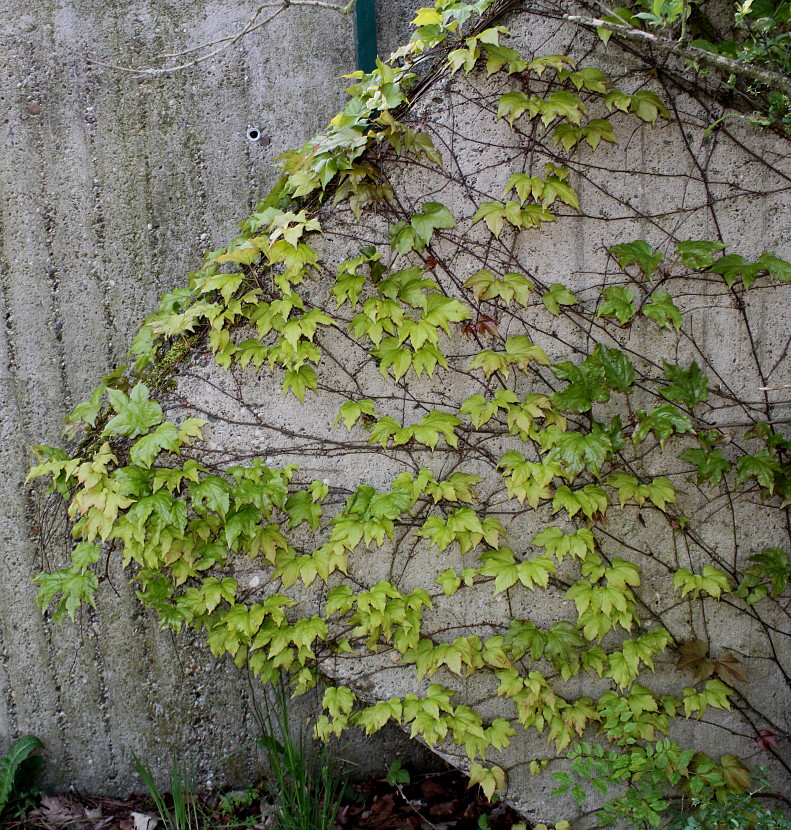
(432, 801)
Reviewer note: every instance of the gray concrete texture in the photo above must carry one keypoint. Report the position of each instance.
(658, 183)
(112, 185)
(104, 208)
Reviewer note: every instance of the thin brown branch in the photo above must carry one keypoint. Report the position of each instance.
(735, 424)
(772, 79)
(223, 43)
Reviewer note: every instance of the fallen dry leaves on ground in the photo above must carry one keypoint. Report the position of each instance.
(72, 811)
(437, 801)
(440, 801)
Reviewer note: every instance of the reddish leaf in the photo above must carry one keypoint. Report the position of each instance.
(486, 325)
(483, 325)
(766, 740)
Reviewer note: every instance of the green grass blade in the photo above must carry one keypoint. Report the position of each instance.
(148, 780)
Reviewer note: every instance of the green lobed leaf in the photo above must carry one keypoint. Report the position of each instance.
(660, 491)
(647, 106)
(147, 448)
(509, 288)
(136, 414)
(513, 105)
(712, 581)
(11, 764)
(733, 267)
(351, 411)
(582, 451)
(408, 286)
(302, 508)
(711, 465)
(770, 565)
(598, 130)
(763, 467)
(404, 238)
(568, 135)
(591, 500)
(618, 303)
(587, 385)
(618, 367)
(433, 216)
(663, 311)
(779, 269)
(502, 56)
(74, 589)
(638, 253)
(687, 386)
(663, 421)
(392, 353)
(89, 410)
(698, 254)
(558, 544)
(298, 381)
(556, 296)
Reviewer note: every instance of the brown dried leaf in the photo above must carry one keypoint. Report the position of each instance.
(444, 808)
(383, 806)
(60, 810)
(729, 668)
(432, 788)
(692, 656)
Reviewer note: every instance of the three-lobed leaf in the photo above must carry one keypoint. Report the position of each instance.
(135, 413)
(557, 295)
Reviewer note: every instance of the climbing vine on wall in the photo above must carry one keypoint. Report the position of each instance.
(542, 439)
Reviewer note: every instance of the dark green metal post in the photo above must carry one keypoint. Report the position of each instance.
(365, 18)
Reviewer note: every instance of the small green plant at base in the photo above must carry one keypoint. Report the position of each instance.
(737, 811)
(231, 802)
(185, 814)
(396, 774)
(306, 788)
(647, 770)
(18, 772)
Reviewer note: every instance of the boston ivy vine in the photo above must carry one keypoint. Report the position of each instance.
(538, 447)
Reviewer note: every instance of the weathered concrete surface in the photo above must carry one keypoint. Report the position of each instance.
(111, 192)
(661, 183)
(112, 185)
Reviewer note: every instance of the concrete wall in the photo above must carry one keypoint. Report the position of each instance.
(112, 185)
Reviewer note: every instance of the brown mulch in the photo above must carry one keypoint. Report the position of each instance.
(436, 801)
(439, 801)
